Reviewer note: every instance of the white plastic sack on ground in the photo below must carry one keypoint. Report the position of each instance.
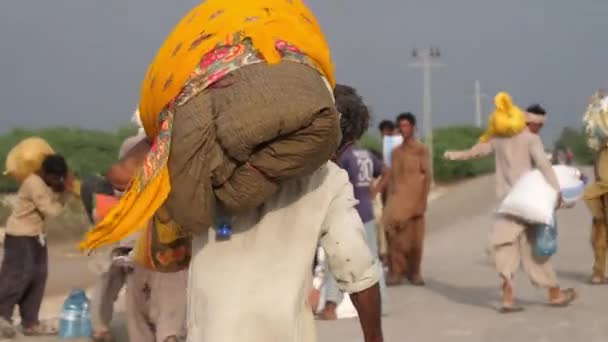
(532, 199)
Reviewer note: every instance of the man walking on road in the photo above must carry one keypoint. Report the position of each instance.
(410, 183)
(512, 239)
(362, 167)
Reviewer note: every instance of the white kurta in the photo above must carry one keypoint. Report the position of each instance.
(254, 287)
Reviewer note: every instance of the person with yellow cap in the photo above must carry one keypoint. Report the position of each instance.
(513, 240)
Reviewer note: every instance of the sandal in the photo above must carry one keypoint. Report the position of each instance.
(103, 337)
(508, 309)
(597, 280)
(40, 329)
(566, 298)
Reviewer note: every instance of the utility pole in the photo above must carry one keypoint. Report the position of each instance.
(426, 60)
(478, 110)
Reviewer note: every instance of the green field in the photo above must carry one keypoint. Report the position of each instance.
(92, 152)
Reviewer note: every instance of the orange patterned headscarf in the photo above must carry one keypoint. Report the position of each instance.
(211, 24)
(214, 23)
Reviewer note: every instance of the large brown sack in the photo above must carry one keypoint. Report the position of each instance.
(259, 126)
(26, 158)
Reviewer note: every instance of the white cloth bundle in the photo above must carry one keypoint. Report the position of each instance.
(389, 143)
(596, 121)
(532, 199)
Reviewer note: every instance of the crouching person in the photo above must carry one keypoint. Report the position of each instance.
(157, 281)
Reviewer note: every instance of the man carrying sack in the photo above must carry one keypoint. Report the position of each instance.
(513, 240)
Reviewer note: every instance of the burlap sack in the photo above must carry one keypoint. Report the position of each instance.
(240, 138)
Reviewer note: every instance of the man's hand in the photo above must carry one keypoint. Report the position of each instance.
(384, 259)
(69, 181)
(374, 193)
(560, 201)
(449, 155)
(313, 300)
(367, 303)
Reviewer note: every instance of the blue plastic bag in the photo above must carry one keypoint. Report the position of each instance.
(546, 239)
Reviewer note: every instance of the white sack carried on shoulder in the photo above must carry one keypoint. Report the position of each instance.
(532, 199)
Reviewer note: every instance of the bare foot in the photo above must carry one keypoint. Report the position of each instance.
(393, 280)
(328, 313)
(507, 308)
(417, 280)
(564, 298)
(598, 280)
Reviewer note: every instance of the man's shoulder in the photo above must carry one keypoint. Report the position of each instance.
(33, 184)
(33, 181)
(327, 176)
(361, 152)
(317, 189)
(419, 147)
(526, 134)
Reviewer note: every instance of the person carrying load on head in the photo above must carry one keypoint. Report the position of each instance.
(514, 140)
(234, 106)
(597, 192)
(239, 108)
(42, 195)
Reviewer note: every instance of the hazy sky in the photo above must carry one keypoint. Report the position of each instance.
(80, 62)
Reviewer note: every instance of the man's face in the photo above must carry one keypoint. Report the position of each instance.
(55, 182)
(406, 129)
(535, 127)
(387, 132)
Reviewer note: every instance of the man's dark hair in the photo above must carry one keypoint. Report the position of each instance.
(56, 165)
(536, 109)
(354, 120)
(386, 124)
(408, 117)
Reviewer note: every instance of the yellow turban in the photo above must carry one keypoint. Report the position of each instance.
(507, 120)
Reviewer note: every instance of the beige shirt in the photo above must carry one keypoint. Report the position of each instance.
(410, 183)
(254, 287)
(514, 157)
(35, 202)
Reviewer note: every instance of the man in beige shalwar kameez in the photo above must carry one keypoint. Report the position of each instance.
(513, 240)
(410, 183)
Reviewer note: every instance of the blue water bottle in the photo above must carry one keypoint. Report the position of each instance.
(75, 317)
(224, 228)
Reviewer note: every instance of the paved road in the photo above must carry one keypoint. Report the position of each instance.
(459, 303)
